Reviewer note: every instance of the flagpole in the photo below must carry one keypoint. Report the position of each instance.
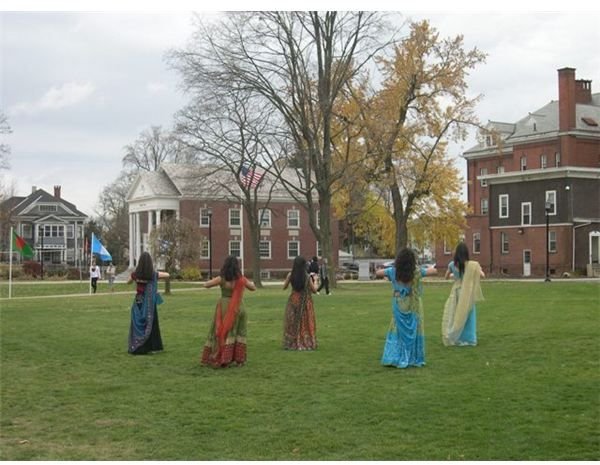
(242, 232)
(12, 238)
(90, 266)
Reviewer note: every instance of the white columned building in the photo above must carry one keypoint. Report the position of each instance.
(151, 201)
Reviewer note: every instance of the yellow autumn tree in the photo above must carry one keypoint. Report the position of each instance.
(406, 125)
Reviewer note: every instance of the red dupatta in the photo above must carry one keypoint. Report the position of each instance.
(224, 324)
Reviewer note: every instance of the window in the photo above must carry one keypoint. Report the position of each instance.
(504, 242)
(476, 243)
(551, 197)
(318, 219)
(293, 217)
(500, 170)
(503, 204)
(523, 163)
(319, 249)
(557, 159)
(234, 218)
(26, 230)
(235, 248)
(552, 241)
(293, 249)
(264, 218)
(52, 230)
(205, 249)
(483, 172)
(265, 274)
(70, 231)
(543, 161)
(484, 206)
(48, 208)
(447, 251)
(205, 216)
(264, 248)
(525, 213)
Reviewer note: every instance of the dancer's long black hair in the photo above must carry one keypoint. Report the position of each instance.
(144, 271)
(406, 262)
(461, 256)
(298, 276)
(230, 270)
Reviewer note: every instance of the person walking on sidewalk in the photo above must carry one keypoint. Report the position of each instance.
(324, 277)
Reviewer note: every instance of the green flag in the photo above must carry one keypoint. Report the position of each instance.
(22, 246)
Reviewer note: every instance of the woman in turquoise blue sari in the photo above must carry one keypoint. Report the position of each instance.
(144, 331)
(405, 339)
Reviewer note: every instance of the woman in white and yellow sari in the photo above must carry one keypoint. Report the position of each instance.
(459, 322)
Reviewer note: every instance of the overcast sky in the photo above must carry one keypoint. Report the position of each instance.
(78, 86)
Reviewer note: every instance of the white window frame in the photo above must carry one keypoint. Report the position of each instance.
(553, 202)
(264, 216)
(483, 172)
(525, 206)
(47, 208)
(557, 159)
(205, 249)
(477, 240)
(484, 206)
(205, 217)
(500, 198)
(70, 231)
(319, 249)
(447, 251)
(290, 218)
(318, 219)
(552, 242)
(260, 250)
(543, 161)
(503, 242)
(27, 230)
(500, 169)
(289, 243)
(239, 248)
(232, 217)
(523, 163)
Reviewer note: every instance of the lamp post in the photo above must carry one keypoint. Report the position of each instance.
(547, 209)
(209, 214)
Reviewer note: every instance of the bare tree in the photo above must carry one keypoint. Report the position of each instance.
(152, 147)
(113, 215)
(299, 62)
(4, 148)
(234, 132)
(175, 243)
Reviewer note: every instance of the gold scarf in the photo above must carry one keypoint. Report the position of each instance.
(470, 292)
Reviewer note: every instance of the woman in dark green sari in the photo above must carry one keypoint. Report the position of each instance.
(144, 331)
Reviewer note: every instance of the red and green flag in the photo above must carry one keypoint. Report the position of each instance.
(23, 247)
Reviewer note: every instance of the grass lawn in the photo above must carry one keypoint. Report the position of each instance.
(529, 391)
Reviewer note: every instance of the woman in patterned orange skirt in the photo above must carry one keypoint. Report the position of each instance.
(226, 342)
(299, 326)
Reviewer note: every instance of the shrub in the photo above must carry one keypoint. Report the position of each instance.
(32, 268)
(190, 273)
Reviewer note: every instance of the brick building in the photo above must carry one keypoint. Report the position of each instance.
(195, 193)
(545, 168)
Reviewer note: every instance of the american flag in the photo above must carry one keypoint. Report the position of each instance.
(249, 176)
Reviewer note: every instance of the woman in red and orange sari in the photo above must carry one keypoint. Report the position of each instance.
(299, 326)
(226, 342)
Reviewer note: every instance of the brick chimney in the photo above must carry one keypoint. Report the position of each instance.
(566, 99)
(583, 91)
(57, 192)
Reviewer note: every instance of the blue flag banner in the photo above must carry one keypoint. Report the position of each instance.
(98, 248)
